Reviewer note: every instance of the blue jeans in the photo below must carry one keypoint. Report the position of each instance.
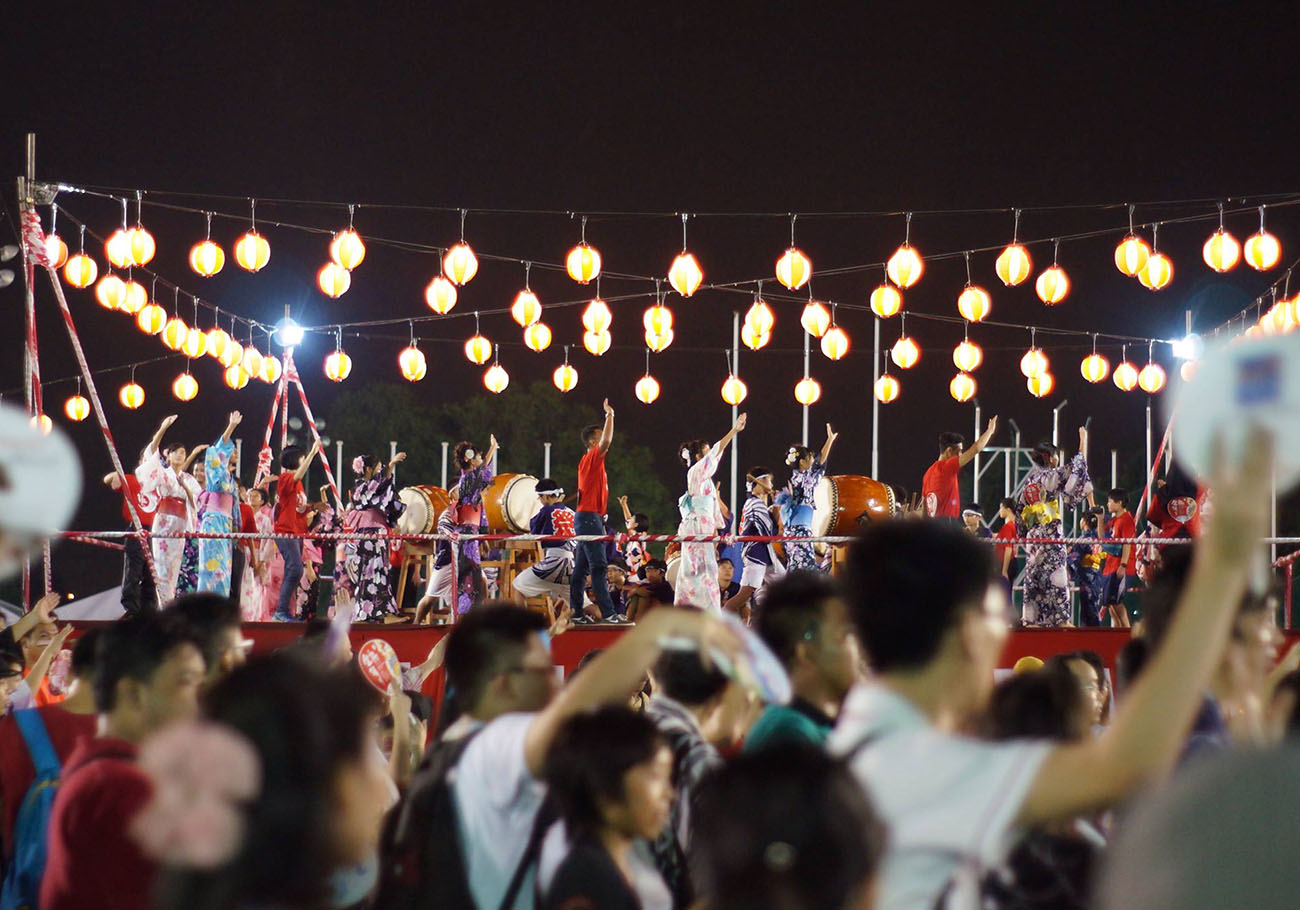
(291, 550)
(590, 559)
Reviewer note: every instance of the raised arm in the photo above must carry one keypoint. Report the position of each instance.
(301, 471)
(967, 456)
(194, 454)
(235, 418)
(395, 461)
(41, 666)
(731, 434)
(491, 451)
(831, 436)
(627, 513)
(607, 433)
(42, 611)
(157, 439)
(1151, 725)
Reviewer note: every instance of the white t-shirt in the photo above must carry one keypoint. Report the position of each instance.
(949, 802)
(497, 799)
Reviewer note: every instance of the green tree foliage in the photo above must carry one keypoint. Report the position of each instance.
(368, 416)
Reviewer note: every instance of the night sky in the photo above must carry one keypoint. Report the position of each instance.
(655, 108)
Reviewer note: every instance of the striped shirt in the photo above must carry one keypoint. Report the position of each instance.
(756, 521)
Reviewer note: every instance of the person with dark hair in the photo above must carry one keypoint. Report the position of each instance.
(1121, 559)
(139, 591)
(476, 473)
(687, 707)
(215, 624)
(634, 551)
(609, 775)
(805, 623)
(500, 674)
(933, 639)
(364, 569)
(593, 500)
(290, 518)
(1085, 561)
(972, 519)
(218, 506)
(1006, 552)
(697, 572)
(940, 489)
(1048, 487)
(438, 594)
(786, 829)
(1094, 660)
(166, 483)
(549, 575)
(1047, 703)
(297, 754)
(255, 518)
(760, 565)
(1129, 663)
(651, 591)
(147, 674)
(797, 500)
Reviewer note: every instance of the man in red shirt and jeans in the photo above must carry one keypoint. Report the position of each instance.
(593, 498)
(1121, 559)
(147, 675)
(939, 489)
(291, 518)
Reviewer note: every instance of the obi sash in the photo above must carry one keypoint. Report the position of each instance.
(173, 506)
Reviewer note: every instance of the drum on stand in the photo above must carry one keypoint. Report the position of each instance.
(845, 503)
(670, 573)
(510, 502)
(423, 506)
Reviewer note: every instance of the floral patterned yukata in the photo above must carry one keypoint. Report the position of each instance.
(363, 569)
(469, 507)
(218, 504)
(1046, 575)
(252, 593)
(697, 573)
(797, 515)
(176, 495)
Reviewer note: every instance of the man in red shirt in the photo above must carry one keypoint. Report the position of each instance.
(1006, 552)
(939, 488)
(138, 592)
(291, 518)
(1121, 559)
(147, 675)
(593, 498)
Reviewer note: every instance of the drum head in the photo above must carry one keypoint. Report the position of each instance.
(825, 506)
(417, 517)
(674, 562)
(520, 503)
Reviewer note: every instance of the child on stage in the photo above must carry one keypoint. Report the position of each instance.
(697, 573)
(552, 573)
(758, 518)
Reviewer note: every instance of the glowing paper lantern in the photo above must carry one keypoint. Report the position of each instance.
(905, 352)
(252, 361)
(110, 291)
(886, 300)
(597, 316)
(131, 395)
(1125, 376)
(134, 297)
(647, 389)
(734, 390)
(974, 303)
(232, 355)
(271, 369)
(596, 343)
(685, 274)
(1041, 385)
(659, 341)
(235, 376)
(835, 343)
(565, 376)
(333, 280)
(185, 387)
(1013, 265)
(887, 389)
(1131, 255)
(151, 319)
(1157, 273)
(967, 356)
(754, 339)
(80, 271)
(905, 266)
(582, 264)
(658, 319)
(1152, 378)
(440, 295)
(56, 251)
(252, 252)
(1095, 368)
(1253, 331)
(174, 332)
(77, 408)
(140, 245)
(962, 387)
(495, 379)
(1188, 369)
(478, 349)
(217, 342)
(347, 249)
(1052, 285)
(460, 264)
(207, 258)
(1034, 363)
(793, 269)
(117, 248)
(760, 317)
(195, 343)
(537, 336)
(1221, 251)
(807, 391)
(815, 319)
(526, 309)
(337, 365)
(412, 363)
(1262, 251)
(43, 423)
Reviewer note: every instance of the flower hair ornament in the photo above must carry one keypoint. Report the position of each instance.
(792, 455)
(203, 774)
(469, 455)
(686, 455)
(359, 464)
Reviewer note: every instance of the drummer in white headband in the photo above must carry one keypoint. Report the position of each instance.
(552, 573)
(759, 518)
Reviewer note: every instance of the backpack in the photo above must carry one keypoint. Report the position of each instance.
(22, 884)
(421, 863)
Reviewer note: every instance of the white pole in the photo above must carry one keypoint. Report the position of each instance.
(875, 402)
(392, 453)
(1114, 468)
(444, 465)
(338, 460)
(735, 411)
(1149, 467)
(975, 487)
(805, 372)
(546, 459)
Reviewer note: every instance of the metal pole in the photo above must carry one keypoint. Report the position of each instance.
(392, 453)
(735, 410)
(444, 465)
(1006, 474)
(1114, 469)
(806, 349)
(1056, 422)
(338, 458)
(546, 459)
(975, 487)
(875, 402)
(1149, 466)
(29, 324)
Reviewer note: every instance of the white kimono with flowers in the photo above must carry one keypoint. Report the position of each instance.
(160, 481)
(697, 572)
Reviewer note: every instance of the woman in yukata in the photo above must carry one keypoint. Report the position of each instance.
(796, 501)
(363, 569)
(475, 476)
(252, 592)
(164, 477)
(1048, 487)
(697, 573)
(218, 506)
